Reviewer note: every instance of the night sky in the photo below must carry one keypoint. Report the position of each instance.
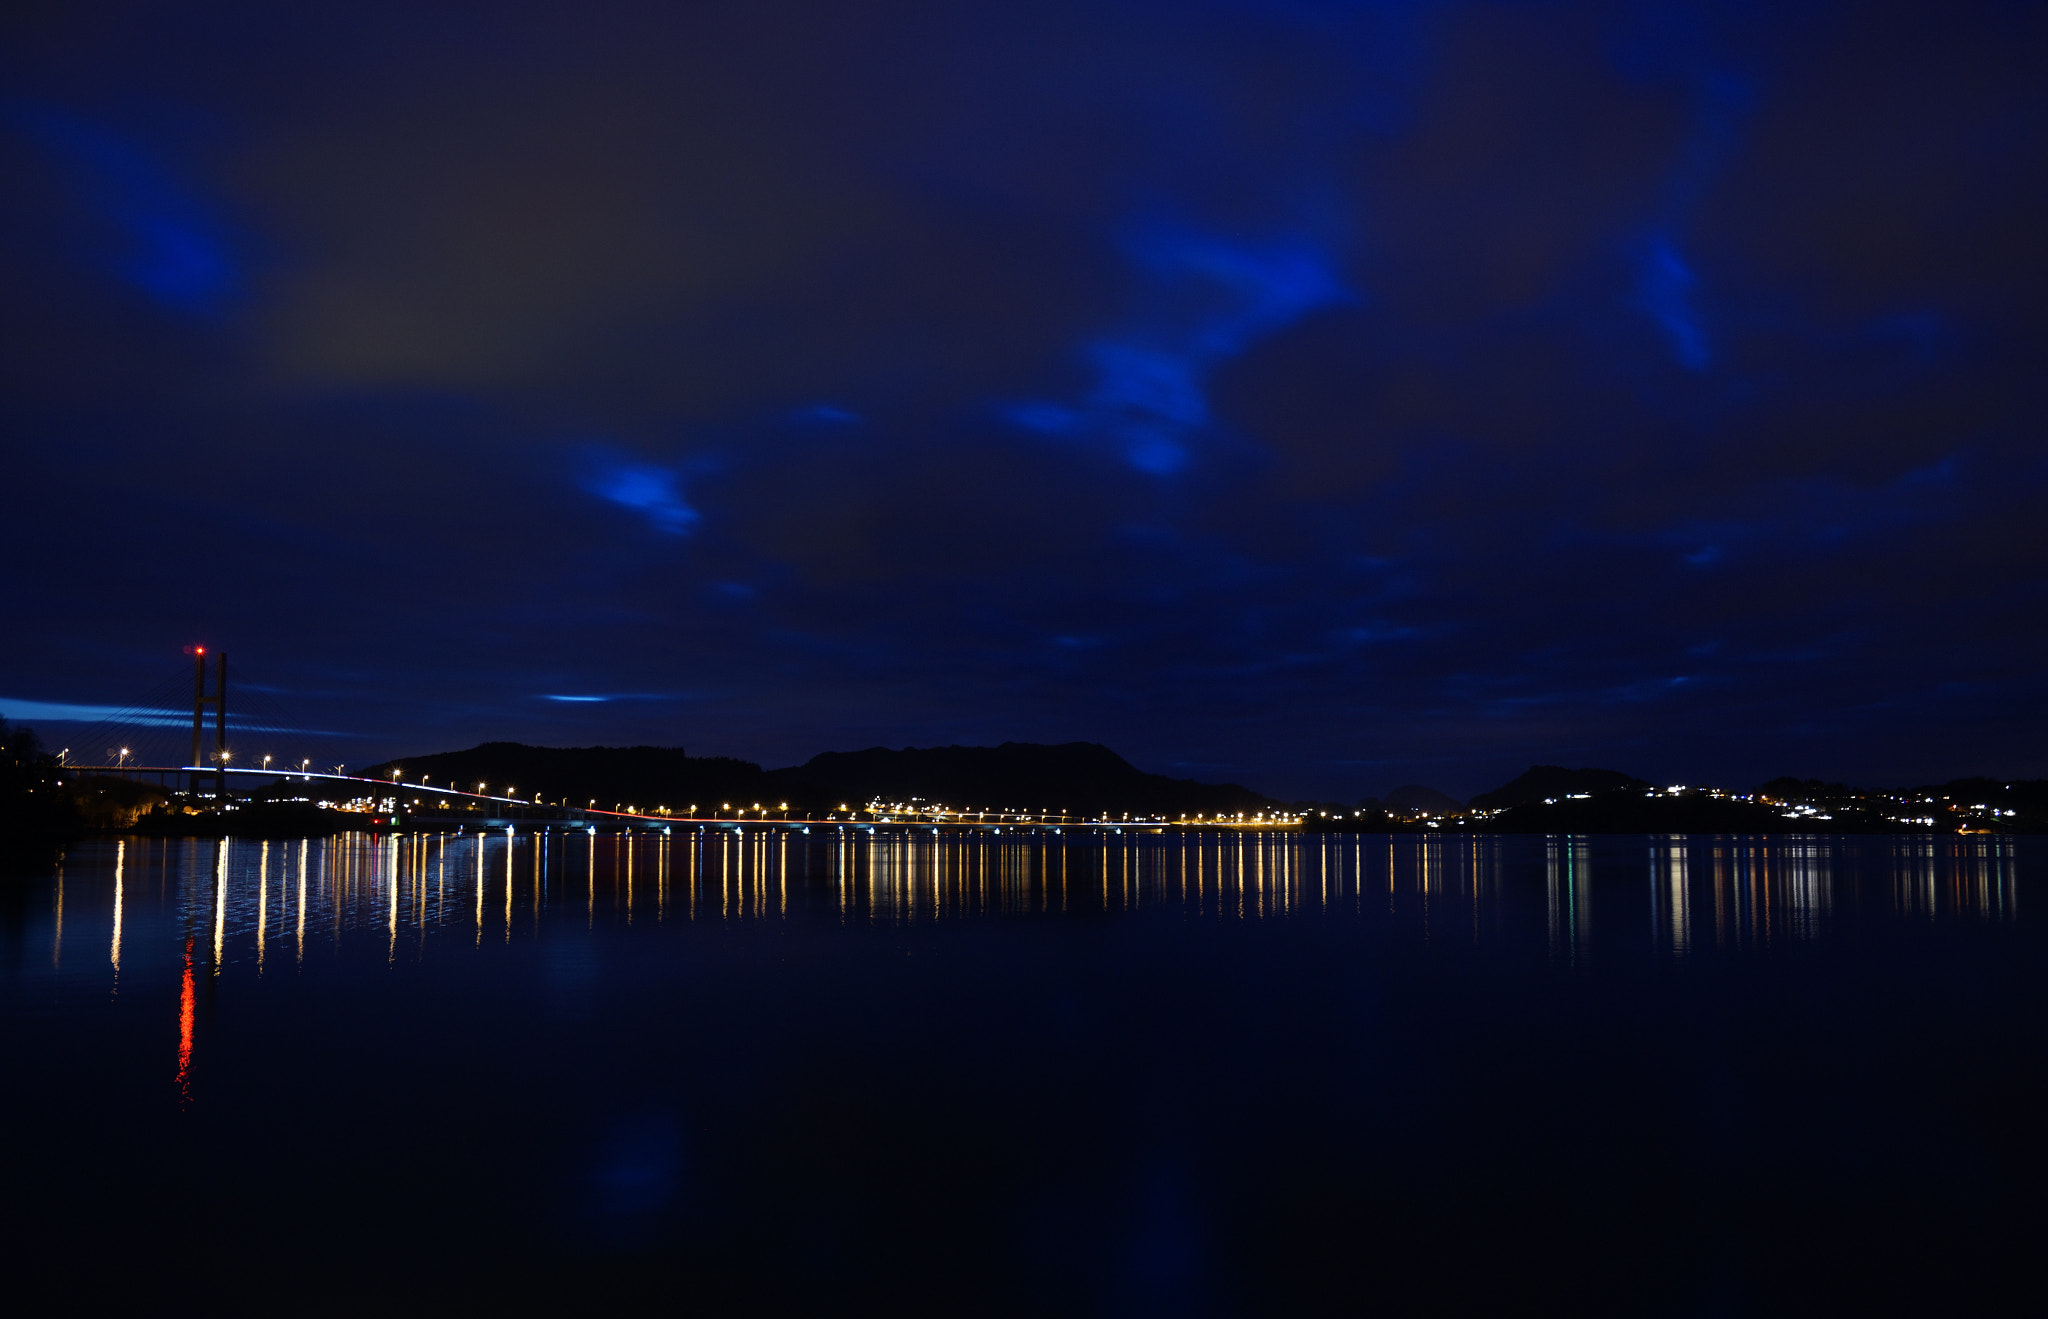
(1318, 396)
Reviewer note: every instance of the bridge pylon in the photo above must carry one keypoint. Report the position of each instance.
(219, 702)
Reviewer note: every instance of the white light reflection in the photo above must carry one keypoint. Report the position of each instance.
(1670, 904)
(1749, 890)
(1570, 906)
(220, 902)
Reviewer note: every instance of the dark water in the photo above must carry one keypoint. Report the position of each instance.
(1025, 1074)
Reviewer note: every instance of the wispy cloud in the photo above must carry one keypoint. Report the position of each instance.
(1209, 299)
(62, 712)
(176, 250)
(1664, 288)
(652, 492)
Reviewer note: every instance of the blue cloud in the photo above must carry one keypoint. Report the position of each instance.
(1268, 286)
(1664, 288)
(1665, 284)
(1045, 418)
(1208, 299)
(1154, 453)
(176, 251)
(825, 414)
(1148, 381)
(1369, 633)
(63, 712)
(646, 489)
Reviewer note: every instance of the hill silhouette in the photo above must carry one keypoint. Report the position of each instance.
(1636, 812)
(1414, 798)
(1541, 782)
(611, 776)
(1076, 777)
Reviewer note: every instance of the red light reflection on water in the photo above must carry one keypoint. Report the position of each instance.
(185, 1005)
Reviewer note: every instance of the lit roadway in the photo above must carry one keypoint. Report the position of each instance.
(505, 812)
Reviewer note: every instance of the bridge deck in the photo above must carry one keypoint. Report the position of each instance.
(423, 805)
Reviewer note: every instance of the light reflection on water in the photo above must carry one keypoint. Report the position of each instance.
(647, 1038)
(238, 898)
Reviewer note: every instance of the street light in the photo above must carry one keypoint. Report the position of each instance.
(124, 758)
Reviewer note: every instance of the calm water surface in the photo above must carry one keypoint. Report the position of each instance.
(1025, 1073)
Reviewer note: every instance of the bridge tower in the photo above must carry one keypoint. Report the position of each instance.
(219, 702)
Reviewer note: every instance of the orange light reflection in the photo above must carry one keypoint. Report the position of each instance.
(186, 999)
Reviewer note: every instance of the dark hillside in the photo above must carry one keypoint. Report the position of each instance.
(1539, 782)
(36, 813)
(632, 776)
(1077, 777)
(1080, 777)
(1630, 812)
(1415, 799)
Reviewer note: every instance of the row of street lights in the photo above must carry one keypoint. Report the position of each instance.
(782, 808)
(120, 755)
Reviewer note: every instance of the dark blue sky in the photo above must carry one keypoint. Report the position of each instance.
(1323, 396)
